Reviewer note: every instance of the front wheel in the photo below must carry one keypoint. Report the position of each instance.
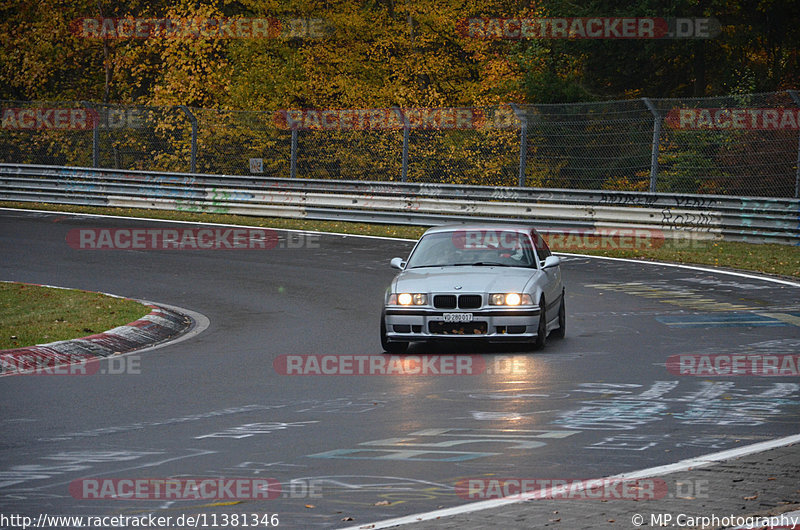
(541, 333)
(561, 331)
(391, 347)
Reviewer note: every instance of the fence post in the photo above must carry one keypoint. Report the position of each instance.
(193, 121)
(95, 134)
(293, 155)
(656, 140)
(523, 143)
(796, 99)
(406, 132)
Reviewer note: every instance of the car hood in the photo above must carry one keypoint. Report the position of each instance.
(481, 279)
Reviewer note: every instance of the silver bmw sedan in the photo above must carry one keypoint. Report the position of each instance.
(491, 282)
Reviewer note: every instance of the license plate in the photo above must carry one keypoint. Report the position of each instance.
(458, 317)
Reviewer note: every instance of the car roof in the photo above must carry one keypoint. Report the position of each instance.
(513, 227)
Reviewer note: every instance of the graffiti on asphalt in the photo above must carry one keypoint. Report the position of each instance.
(719, 403)
(436, 444)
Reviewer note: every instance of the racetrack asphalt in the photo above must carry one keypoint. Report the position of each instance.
(598, 403)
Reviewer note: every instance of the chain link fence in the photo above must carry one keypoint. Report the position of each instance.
(737, 145)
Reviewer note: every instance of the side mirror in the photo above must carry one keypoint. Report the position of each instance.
(398, 263)
(551, 261)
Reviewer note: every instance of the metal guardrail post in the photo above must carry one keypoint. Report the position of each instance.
(406, 132)
(95, 135)
(193, 121)
(796, 99)
(523, 143)
(656, 141)
(293, 155)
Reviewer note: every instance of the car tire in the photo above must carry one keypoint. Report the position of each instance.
(561, 331)
(541, 336)
(391, 347)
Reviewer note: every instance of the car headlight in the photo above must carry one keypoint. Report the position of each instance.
(511, 299)
(408, 299)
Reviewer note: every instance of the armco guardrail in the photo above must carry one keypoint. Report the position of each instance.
(754, 219)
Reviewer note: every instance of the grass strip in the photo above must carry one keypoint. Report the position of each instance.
(32, 314)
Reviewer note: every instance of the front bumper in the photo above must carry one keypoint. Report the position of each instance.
(501, 324)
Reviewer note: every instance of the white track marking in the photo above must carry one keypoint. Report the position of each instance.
(683, 465)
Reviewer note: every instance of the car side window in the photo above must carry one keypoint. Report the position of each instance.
(542, 250)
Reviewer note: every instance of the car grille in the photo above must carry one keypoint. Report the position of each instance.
(444, 301)
(469, 301)
(457, 328)
(464, 301)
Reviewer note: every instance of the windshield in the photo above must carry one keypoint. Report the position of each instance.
(500, 248)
